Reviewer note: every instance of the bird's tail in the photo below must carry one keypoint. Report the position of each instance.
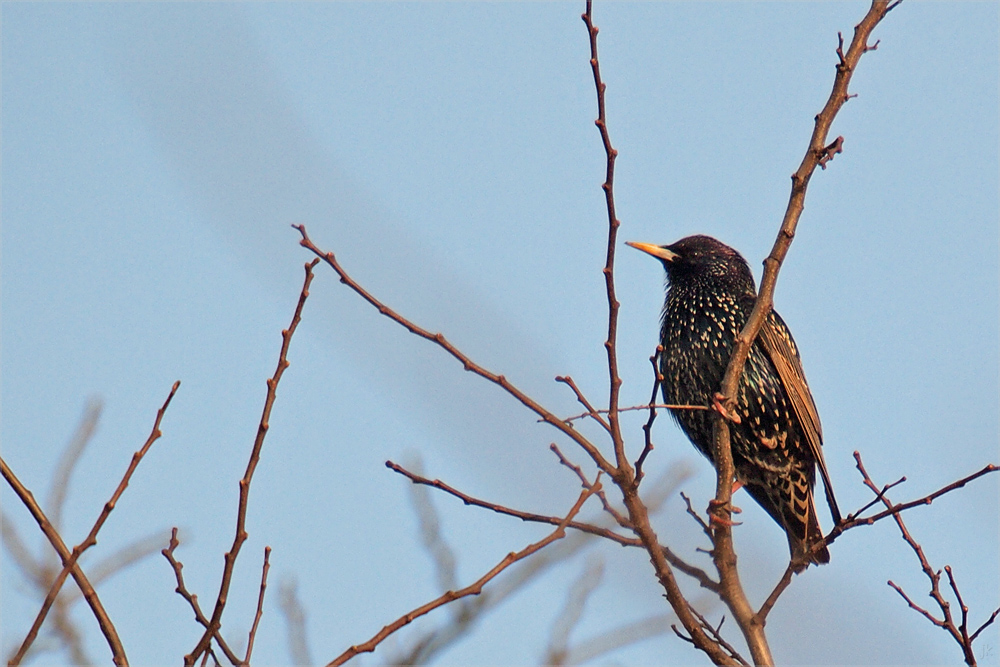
(806, 544)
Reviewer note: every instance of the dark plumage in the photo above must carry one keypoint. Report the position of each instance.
(777, 441)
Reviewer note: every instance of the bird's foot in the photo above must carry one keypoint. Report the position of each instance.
(716, 509)
(718, 404)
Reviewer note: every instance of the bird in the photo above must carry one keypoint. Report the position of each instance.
(775, 432)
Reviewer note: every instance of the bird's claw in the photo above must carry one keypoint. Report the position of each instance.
(718, 404)
(715, 510)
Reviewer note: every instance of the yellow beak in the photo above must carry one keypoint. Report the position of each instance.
(654, 250)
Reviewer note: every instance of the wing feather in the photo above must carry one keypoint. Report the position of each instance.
(780, 348)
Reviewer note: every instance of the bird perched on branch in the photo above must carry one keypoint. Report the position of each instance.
(775, 433)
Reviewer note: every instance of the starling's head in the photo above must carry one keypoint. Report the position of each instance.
(695, 258)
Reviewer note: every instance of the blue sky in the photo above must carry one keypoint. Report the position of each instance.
(155, 155)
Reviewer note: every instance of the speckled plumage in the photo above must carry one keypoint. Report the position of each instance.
(777, 443)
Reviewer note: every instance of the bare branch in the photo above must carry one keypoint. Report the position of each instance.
(473, 589)
(647, 429)
(467, 363)
(782, 584)
(500, 509)
(107, 627)
(591, 411)
(610, 345)
(644, 406)
(623, 474)
(818, 150)
(241, 514)
(430, 534)
(91, 538)
(853, 520)
(191, 598)
(615, 514)
(260, 604)
(958, 632)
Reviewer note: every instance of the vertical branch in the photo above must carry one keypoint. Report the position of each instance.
(817, 155)
(623, 474)
(241, 514)
(610, 344)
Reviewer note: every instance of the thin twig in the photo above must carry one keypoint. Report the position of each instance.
(430, 534)
(241, 514)
(853, 520)
(610, 345)
(103, 620)
(714, 631)
(695, 572)
(782, 584)
(985, 625)
(260, 604)
(876, 500)
(644, 406)
(191, 598)
(591, 411)
(615, 514)
(705, 528)
(647, 429)
(500, 509)
(91, 538)
(473, 589)
(958, 632)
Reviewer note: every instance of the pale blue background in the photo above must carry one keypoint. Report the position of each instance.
(154, 156)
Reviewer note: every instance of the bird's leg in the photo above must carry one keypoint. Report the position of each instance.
(716, 508)
(718, 404)
(718, 520)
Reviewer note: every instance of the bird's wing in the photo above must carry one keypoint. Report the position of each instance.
(780, 347)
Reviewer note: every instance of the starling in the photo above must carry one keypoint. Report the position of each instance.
(775, 431)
